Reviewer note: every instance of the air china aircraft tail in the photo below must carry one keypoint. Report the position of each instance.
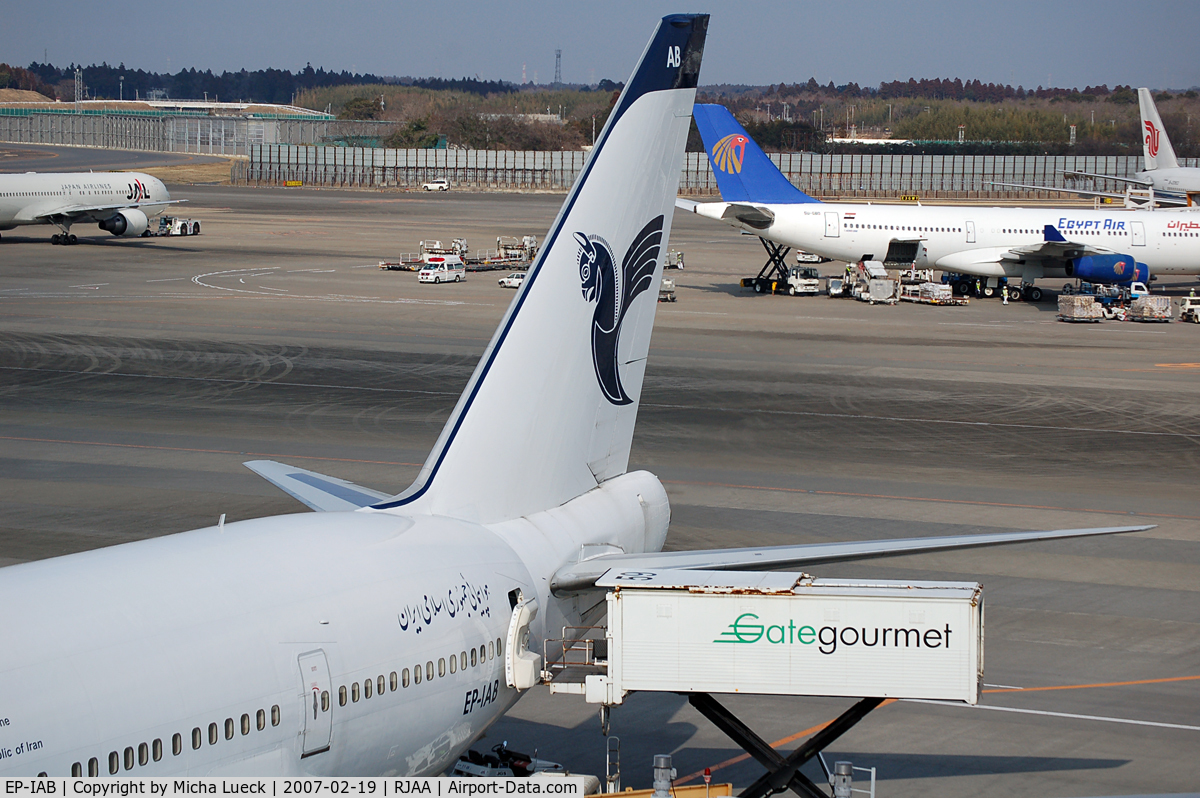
(555, 396)
(1157, 152)
(744, 173)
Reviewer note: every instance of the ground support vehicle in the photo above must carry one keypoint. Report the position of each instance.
(915, 276)
(809, 257)
(666, 290)
(510, 253)
(436, 185)
(1079, 308)
(502, 762)
(839, 287)
(513, 280)
(988, 287)
(174, 226)
(1189, 309)
(931, 294)
(673, 260)
(878, 292)
(775, 276)
(442, 269)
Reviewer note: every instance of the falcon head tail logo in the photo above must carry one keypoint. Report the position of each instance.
(613, 290)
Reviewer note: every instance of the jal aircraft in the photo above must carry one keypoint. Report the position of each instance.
(1164, 180)
(1025, 244)
(121, 203)
(383, 634)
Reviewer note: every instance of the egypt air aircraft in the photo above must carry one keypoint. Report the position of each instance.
(121, 203)
(1110, 246)
(1164, 180)
(383, 634)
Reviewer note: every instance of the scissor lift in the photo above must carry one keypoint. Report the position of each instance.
(773, 276)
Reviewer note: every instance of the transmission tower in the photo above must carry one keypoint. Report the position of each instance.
(558, 67)
(78, 90)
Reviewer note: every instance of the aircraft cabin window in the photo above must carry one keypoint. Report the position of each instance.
(462, 661)
(93, 767)
(379, 685)
(367, 688)
(143, 754)
(498, 647)
(76, 770)
(395, 682)
(341, 698)
(482, 654)
(156, 750)
(129, 758)
(214, 734)
(404, 677)
(261, 717)
(114, 763)
(245, 724)
(275, 715)
(473, 654)
(441, 666)
(417, 675)
(229, 728)
(324, 706)
(453, 663)
(491, 650)
(177, 744)
(197, 737)
(354, 692)
(429, 670)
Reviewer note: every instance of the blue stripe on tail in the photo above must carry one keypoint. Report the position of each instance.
(744, 172)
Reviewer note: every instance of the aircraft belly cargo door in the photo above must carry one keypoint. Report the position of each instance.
(831, 225)
(315, 702)
(1139, 234)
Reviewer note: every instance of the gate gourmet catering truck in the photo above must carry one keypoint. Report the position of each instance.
(777, 633)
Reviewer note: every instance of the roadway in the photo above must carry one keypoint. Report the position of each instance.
(137, 375)
(56, 158)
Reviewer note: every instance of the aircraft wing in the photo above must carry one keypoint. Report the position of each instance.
(583, 575)
(84, 210)
(1137, 181)
(1161, 199)
(321, 493)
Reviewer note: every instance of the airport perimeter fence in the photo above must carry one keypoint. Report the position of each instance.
(204, 135)
(849, 176)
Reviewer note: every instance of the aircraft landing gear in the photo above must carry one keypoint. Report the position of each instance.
(65, 238)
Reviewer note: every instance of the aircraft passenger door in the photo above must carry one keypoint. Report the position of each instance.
(1139, 233)
(316, 702)
(832, 226)
(970, 232)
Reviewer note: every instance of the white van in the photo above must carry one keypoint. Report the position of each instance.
(442, 269)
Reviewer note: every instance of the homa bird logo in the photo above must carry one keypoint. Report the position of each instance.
(1151, 139)
(613, 290)
(730, 152)
(137, 192)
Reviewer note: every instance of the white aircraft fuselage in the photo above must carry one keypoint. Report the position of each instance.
(68, 198)
(973, 240)
(226, 623)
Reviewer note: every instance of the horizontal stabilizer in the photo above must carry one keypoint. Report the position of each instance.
(583, 575)
(319, 492)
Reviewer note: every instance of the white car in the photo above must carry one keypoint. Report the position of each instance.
(442, 270)
(513, 280)
(436, 185)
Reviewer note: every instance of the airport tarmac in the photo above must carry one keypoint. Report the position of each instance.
(136, 375)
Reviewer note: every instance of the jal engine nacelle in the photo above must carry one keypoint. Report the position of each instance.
(126, 222)
(1119, 269)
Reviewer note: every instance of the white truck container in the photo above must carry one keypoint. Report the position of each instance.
(789, 634)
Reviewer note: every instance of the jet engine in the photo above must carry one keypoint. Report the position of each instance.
(126, 222)
(1119, 269)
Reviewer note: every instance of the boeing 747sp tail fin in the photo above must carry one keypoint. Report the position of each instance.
(549, 412)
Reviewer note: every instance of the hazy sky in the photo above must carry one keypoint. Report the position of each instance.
(1027, 42)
